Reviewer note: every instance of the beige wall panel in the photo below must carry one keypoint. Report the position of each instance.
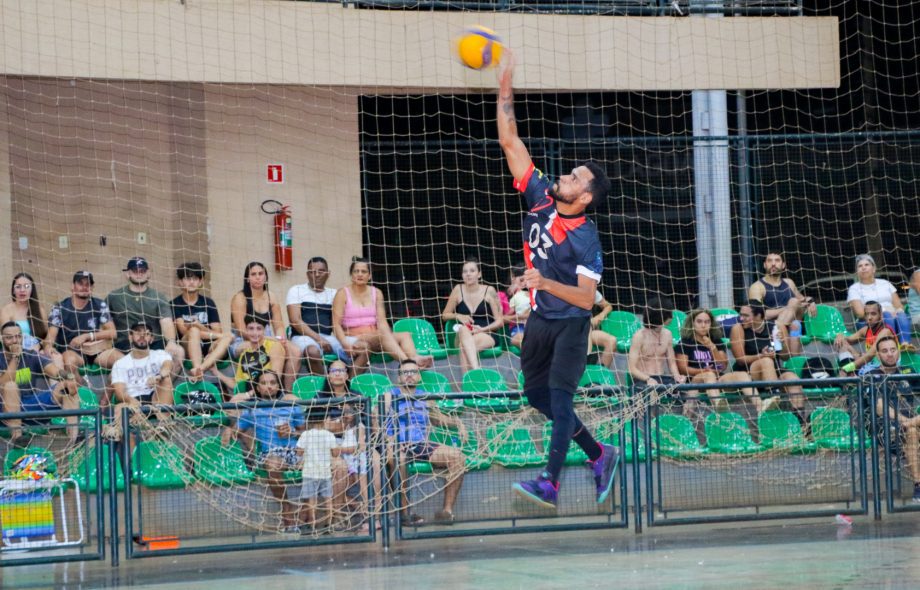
(8, 242)
(314, 134)
(281, 42)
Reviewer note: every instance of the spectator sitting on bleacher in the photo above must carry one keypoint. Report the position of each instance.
(81, 329)
(902, 404)
(142, 377)
(198, 322)
(702, 357)
(359, 321)
(476, 310)
(258, 353)
(515, 302)
(752, 346)
(138, 302)
(23, 377)
(309, 308)
(874, 328)
(276, 430)
(785, 305)
(597, 337)
(25, 309)
(255, 300)
(651, 353)
(913, 299)
(408, 421)
(868, 288)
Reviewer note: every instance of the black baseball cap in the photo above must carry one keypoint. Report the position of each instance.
(82, 275)
(137, 263)
(141, 325)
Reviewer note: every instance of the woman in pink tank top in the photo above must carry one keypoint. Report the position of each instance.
(360, 323)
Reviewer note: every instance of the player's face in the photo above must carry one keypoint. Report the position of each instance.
(255, 332)
(745, 316)
(774, 265)
(12, 339)
(140, 276)
(865, 269)
(361, 274)
(888, 354)
(22, 289)
(268, 386)
(82, 289)
(470, 273)
(190, 284)
(572, 187)
(409, 374)
(702, 324)
(873, 314)
(257, 277)
(141, 339)
(337, 374)
(317, 275)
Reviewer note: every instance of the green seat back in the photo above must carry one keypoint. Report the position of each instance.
(912, 360)
(677, 320)
(159, 465)
(483, 381)
(597, 375)
(220, 465)
(434, 382)
(371, 385)
(675, 436)
(832, 428)
(423, 336)
(512, 446)
(796, 364)
(308, 386)
(623, 325)
(781, 430)
(728, 432)
(14, 455)
(84, 471)
(182, 391)
(608, 432)
(88, 401)
(827, 323)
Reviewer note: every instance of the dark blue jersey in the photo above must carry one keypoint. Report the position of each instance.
(560, 247)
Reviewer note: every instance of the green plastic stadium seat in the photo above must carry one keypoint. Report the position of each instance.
(827, 323)
(434, 382)
(676, 437)
(93, 369)
(603, 385)
(796, 364)
(220, 465)
(14, 454)
(622, 324)
(159, 465)
(575, 454)
(475, 458)
(722, 314)
(608, 432)
(514, 447)
(450, 337)
(188, 392)
(88, 401)
(83, 469)
(912, 360)
(423, 335)
(371, 385)
(728, 433)
(782, 431)
(677, 320)
(488, 381)
(831, 428)
(308, 386)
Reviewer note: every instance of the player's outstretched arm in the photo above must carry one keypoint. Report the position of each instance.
(515, 152)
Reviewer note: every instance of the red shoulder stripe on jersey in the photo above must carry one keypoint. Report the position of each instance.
(521, 184)
(563, 225)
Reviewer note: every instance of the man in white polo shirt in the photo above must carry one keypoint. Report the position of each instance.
(309, 308)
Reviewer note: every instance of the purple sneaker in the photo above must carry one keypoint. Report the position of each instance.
(540, 491)
(605, 468)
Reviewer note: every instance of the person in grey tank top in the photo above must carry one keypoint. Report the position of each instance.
(785, 305)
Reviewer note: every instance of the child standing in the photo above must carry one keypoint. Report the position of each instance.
(317, 446)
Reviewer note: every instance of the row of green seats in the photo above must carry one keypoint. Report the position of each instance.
(728, 433)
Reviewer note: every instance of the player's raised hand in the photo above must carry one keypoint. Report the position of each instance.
(506, 67)
(533, 279)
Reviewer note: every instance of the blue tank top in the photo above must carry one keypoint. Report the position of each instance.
(411, 417)
(774, 297)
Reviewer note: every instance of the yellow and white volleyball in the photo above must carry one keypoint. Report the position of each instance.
(479, 47)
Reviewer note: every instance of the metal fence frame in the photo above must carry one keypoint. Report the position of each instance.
(894, 463)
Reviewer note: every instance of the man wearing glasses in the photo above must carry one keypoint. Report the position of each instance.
(408, 422)
(309, 308)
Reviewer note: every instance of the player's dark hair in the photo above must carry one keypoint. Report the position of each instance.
(600, 184)
(317, 260)
(36, 323)
(658, 311)
(757, 308)
(190, 269)
(358, 260)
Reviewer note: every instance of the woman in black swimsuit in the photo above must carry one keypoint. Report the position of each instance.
(478, 314)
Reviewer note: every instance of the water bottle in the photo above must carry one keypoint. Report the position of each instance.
(777, 340)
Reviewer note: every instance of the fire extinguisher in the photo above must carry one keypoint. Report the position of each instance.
(283, 236)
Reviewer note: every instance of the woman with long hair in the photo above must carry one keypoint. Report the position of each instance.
(476, 309)
(255, 300)
(25, 309)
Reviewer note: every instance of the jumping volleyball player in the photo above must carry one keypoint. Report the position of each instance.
(564, 265)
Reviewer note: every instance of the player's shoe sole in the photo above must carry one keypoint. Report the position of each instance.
(611, 462)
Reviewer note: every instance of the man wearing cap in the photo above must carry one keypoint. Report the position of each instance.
(81, 328)
(142, 377)
(139, 302)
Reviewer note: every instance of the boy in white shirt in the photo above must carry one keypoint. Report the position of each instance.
(317, 446)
